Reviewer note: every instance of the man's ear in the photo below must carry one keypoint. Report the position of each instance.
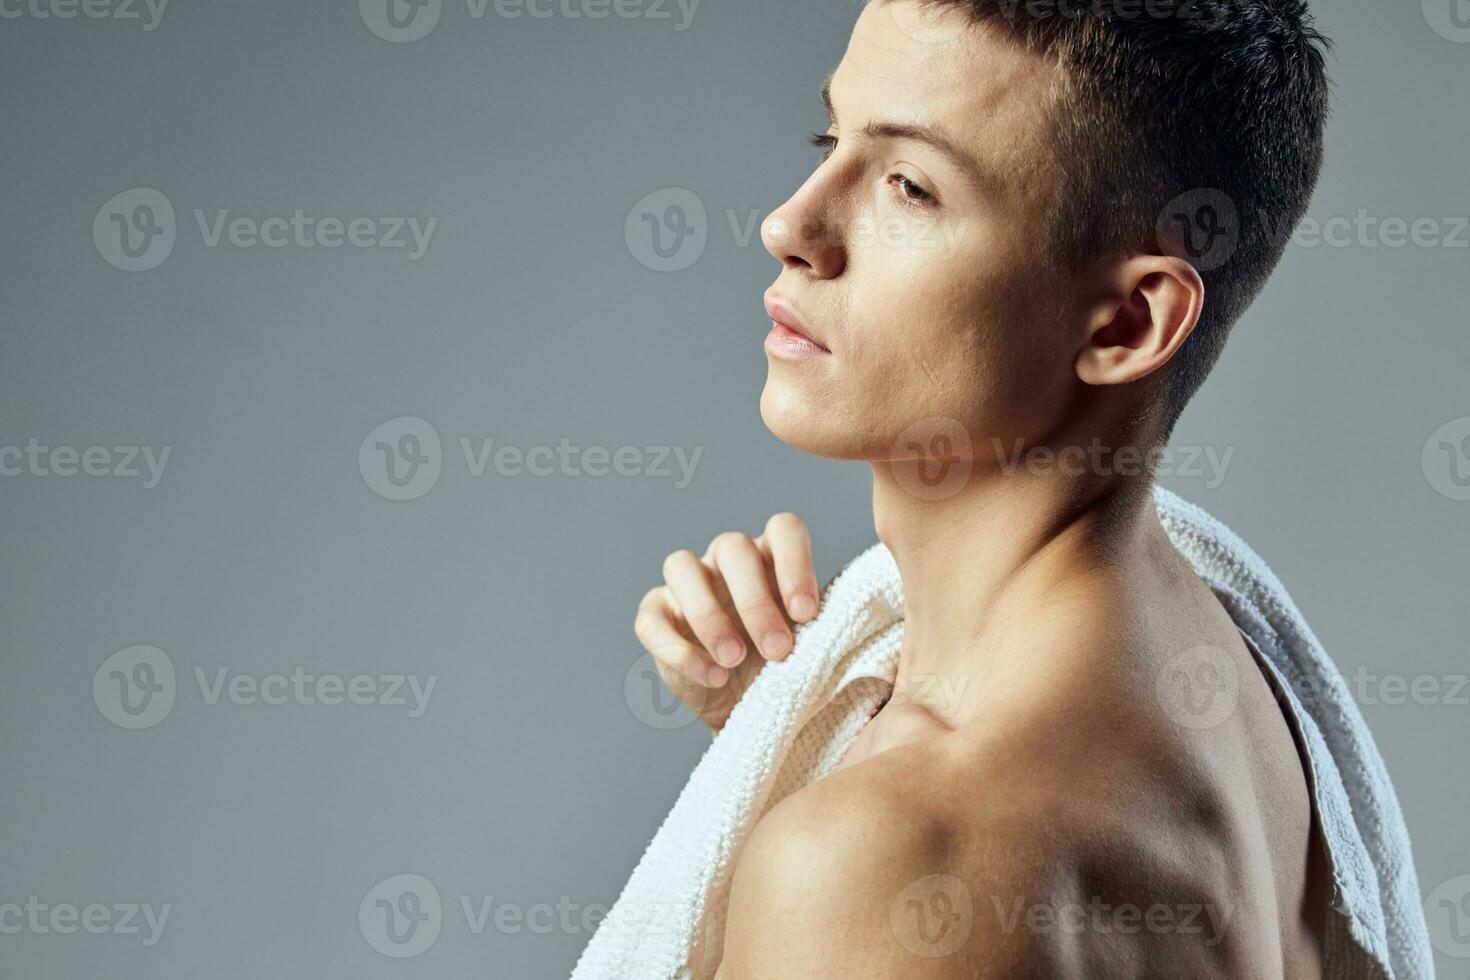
(1152, 305)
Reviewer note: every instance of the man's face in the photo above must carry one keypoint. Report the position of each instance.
(923, 272)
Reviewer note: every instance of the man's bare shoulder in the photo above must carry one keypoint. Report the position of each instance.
(933, 861)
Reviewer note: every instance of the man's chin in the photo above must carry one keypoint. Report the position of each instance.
(795, 418)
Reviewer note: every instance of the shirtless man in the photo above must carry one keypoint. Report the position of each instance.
(982, 265)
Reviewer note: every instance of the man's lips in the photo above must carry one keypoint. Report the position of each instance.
(783, 314)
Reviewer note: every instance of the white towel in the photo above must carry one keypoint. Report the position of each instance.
(797, 719)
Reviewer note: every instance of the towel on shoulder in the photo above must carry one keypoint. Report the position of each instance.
(795, 722)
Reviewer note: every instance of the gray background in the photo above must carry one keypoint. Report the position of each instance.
(534, 776)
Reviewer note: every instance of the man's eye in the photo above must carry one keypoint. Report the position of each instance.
(910, 190)
(826, 141)
(911, 194)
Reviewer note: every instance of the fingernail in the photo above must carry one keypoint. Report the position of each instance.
(802, 606)
(775, 643)
(728, 652)
(714, 675)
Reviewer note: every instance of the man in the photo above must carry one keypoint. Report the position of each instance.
(1024, 235)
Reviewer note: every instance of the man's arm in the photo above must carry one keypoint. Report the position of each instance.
(857, 876)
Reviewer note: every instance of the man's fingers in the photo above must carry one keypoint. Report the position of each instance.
(790, 546)
(690, 582)
(656, 628)
(742, 567)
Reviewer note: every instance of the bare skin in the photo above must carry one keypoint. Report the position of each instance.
(1090, 824)
(1037, 799)
(1061, 782)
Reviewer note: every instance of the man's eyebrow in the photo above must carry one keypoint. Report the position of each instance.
(980, 178)
(827, 96)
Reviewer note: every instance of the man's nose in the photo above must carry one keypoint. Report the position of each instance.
(800, 238)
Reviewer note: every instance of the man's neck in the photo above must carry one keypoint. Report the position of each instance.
(994, 556)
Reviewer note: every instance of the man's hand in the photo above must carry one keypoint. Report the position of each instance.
(744, 594)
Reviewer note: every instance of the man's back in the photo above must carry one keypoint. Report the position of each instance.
(1116, 793)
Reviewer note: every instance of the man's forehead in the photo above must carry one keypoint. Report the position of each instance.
(983, 91)
(913, 64)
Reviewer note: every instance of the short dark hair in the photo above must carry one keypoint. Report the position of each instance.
(1206, 105)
